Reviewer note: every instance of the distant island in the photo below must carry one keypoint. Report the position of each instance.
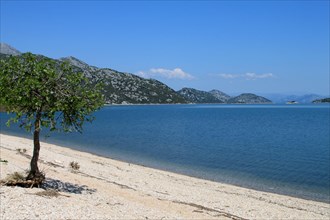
(325, 100)
(216, 96)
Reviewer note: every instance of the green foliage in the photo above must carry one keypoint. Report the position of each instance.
(32, 85)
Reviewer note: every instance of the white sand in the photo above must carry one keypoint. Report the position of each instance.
(105, 188)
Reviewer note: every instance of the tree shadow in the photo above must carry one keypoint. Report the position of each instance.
(67, 187)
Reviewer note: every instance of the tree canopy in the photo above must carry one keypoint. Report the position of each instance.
(45, 93)
(64, 98)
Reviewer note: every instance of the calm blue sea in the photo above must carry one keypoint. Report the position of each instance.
(276, 148)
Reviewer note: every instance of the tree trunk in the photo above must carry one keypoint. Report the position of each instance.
(34, 172)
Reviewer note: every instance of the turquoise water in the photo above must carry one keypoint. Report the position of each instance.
(276, 148)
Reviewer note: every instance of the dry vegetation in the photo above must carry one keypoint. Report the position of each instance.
(74, 165)
(19, 179)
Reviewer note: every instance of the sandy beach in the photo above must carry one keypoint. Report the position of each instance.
(104, 188)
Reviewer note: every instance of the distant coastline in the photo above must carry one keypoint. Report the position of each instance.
(126, 88)
(325, 100)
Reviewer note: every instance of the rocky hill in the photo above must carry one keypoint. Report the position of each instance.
(120, 88)
(198, 96)
(249, 98)
(126, 88)
(9, 50)
(223, 97)
(216, 96)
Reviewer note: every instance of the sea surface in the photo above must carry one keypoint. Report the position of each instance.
(275, 148)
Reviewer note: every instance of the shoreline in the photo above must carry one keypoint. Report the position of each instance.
(259, 187)
(143, 191)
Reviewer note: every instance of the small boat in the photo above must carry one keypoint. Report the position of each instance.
(291, 102)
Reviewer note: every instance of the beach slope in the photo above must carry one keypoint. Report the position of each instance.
(104, 188)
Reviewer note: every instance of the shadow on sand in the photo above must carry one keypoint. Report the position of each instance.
(52, 184)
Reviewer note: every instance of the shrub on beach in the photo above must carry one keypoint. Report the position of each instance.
(74, 165)
(3, 161)
(19, 150)
(16, 176)
(19, 179)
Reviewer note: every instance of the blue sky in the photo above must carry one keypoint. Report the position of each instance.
(234, 46)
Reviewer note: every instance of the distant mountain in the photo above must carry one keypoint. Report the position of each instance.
(249, 98)
(120, 88)
(126, 88)
(7, 49)
(198, 96)
(78, 63)
(302, 99)
(325, 100)
(216, 96)
(223, 97)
